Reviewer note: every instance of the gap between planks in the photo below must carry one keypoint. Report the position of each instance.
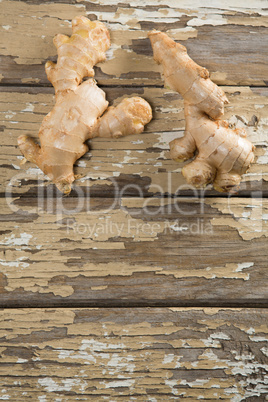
(137, 305)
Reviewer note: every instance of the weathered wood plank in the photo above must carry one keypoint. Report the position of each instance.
(134, 355)
(142, 162)
(227, 38)
(133, 251)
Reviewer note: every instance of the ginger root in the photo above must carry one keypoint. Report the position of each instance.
(78, 113)
(223, 154)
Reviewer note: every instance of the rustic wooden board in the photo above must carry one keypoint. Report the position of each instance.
(143, 162)
(133, 252)
(230, 38)
(130, 236)
(134, 355)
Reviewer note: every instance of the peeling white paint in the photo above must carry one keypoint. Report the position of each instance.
(29, 107)
(11, 240)
(42, 398)
(120, 383)
(120, 363)
(165, 137)
(34, 171)
(10, 114)
(264, 350)
(15, 166)
(196, 383)
(94, 176)
(51, 386)
(128, 158)
(205, 19)
(258, 338)
(172, 384)
(81, 163)
(220, 335)
(168, 359)
(17, 263)
(22, 361)
(263, 159)
(110, 52)
(243, 265)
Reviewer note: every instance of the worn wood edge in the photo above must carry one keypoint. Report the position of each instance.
(142, 353)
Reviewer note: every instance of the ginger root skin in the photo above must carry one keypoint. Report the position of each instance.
(223, 155)
(78, 114)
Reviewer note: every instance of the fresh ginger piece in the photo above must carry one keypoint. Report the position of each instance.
(223, 154)
(77, 114)
(129, 117)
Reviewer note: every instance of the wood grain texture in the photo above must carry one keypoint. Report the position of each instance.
(143, 162)
(135, 355)
(133, 251)
(133, 234)
(226, 38)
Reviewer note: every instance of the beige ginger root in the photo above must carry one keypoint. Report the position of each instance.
(78, 113)
(223, 154)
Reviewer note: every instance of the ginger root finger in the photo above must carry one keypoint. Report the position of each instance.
(223, 154)
(129, 117)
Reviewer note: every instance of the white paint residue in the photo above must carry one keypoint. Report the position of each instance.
(90, 350)
(83, 355)
(10, 114)
(258, 338)
(6, 27)
(34, 171)
(171, 384)
(120, 383)
(197, 383)
(137, 142)
(110, 52)
(17, 263)
(94, 345)
(22, 361)
(15, 166)
(29, 107)
(94, 176)
(165, 137)
(128, 158)
(81, 164)
(245, 214)
(23, 240)
(168, 359)
(243, 265)
(211, 343)
(51, 386)
(263, 159)
(220, 335)
(120, 363)
(264, 350)
(205, 19)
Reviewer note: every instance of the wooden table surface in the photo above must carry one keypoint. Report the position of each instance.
(135, 287)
